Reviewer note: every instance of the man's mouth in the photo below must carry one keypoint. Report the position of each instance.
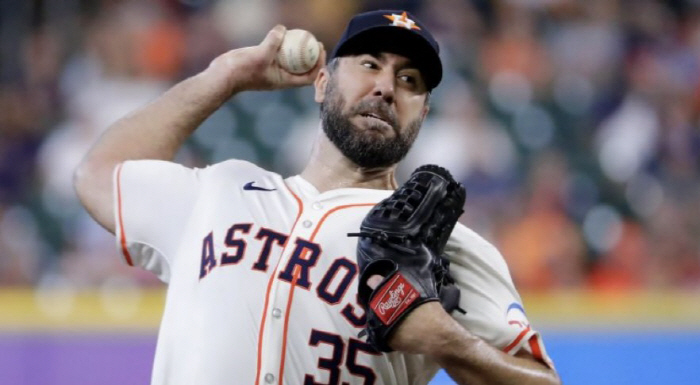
(377, 117)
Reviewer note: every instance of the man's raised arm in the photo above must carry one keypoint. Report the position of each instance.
(158, 130)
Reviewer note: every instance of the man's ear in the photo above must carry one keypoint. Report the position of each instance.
(320, 85)
(424, 111)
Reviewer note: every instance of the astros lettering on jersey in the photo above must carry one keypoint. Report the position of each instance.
(262, 279)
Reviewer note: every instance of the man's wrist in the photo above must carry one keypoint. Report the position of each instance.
(224, 76)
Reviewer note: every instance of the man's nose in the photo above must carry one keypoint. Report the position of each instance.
(384, 86)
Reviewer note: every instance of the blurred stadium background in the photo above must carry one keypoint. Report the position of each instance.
(574, 125)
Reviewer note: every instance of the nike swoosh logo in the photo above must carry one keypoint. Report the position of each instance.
(249, 186)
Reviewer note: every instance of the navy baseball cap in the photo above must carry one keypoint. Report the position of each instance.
(396, 32)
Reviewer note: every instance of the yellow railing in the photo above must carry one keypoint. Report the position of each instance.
(628, 310)
(139, 310)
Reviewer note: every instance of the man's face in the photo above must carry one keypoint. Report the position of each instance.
(372, 108)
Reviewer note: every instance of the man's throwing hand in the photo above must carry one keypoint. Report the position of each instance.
(257, 67)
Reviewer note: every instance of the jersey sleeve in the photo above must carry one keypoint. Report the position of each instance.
(494, 309)
(153, 202)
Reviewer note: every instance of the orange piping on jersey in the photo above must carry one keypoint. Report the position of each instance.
(334, 210)
(516, 340)
(122, 240)
(269, 287)
(535, 347)
(294, 281)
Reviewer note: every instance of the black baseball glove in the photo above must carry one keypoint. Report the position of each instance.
(402, 240)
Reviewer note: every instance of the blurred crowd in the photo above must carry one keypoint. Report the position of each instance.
(574, 125)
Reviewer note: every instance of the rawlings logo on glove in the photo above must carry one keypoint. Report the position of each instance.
(396, 303)
(402, 241)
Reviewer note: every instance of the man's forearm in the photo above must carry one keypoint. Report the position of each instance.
(156, 131)
(159, 129)
(472, 361)
(465, 357)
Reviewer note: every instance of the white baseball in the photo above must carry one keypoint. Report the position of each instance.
(299, 51)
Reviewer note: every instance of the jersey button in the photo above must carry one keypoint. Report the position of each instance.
(317, 206)
(307, 223)
(269, 378)
(276, 313)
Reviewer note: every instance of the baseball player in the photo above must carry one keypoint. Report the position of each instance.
(262, 277)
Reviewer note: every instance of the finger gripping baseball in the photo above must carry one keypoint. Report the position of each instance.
(402, 239)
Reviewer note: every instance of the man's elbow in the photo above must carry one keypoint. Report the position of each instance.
(79, 180)
(83, 177)
(93, 186)
(553, 378)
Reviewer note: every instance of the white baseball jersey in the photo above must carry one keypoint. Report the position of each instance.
(262, 278)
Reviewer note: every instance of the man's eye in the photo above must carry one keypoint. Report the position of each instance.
(370, 64)
(408, 79)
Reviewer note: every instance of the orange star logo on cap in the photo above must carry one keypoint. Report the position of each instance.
(402, 20)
